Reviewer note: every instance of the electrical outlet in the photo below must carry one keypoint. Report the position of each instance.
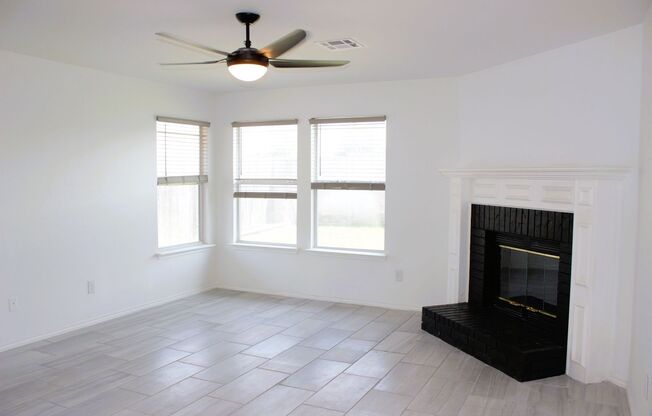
(398, 275)
(13, 304)
(91, 287)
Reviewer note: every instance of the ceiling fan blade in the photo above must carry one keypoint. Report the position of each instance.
(284, 44)
(305, 63)
(188, 43)
(192, 63)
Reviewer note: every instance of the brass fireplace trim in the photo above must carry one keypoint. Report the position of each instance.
(529, 308)
(552, 256)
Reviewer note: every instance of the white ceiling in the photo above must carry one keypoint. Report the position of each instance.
(404, 40)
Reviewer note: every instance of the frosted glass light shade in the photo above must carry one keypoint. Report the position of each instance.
(247, 72)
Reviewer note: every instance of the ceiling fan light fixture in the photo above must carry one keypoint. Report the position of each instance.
(247, 64)
(248, 72)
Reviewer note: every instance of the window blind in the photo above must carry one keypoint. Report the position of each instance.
(265, 159)
(349, 153)
(182, 155)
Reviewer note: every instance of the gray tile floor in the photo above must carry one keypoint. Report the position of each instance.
(236, 353)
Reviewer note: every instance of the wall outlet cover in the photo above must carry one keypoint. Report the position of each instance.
(13, 304)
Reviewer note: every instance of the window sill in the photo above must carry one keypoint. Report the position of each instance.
(252, 246)
(175, 251)
(361, 255)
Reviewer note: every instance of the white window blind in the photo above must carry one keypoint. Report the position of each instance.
(348, 183)
(265, 181)
(181, 167)
(181, 151)
(349, 153)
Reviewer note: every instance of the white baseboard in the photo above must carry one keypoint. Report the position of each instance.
(323, 298)
(104, 318)
(618, 381)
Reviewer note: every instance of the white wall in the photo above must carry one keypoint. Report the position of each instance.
(641, 362)
(78, 199)
(576, 105)
(421, 137)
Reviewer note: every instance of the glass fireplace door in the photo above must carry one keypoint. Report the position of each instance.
(529, 279)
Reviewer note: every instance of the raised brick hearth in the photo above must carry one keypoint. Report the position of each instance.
(507, 344)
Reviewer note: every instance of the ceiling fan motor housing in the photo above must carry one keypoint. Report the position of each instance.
(247, 56)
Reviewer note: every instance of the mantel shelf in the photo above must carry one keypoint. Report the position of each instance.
(549, 172)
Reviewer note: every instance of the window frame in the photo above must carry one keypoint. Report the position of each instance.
(316, 186)
(200, 181)
(237, 164)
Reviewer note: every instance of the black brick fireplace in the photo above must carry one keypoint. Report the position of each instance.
(516, 319)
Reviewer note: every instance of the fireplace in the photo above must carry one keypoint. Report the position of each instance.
(516, 318)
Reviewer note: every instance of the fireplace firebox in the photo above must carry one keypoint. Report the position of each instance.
(516, 318)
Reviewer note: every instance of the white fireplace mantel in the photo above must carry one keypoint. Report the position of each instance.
(595, 196)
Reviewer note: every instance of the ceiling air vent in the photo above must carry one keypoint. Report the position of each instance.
(341, 44)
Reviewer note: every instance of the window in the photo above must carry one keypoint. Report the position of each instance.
(348, 183)
(181, 165)
(265, 182)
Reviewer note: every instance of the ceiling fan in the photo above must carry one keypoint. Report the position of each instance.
(250, 64)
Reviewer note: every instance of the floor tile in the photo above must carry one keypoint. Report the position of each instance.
(374, 331)
(79, 357)
(78, 393)
(199, 341)
(133, 351)
(290, 318)
(353, 322)
(396, 317)
(430, 352)
(343, 392)
(292, 359)
(305, 410)
(326, 338)
(152, 361)
(107, 403)
(74, 344)
(442, 396)
(279, 401)
(349, 351)
(162, 378)
(314, 306)
(238, 325)
(315, 375)
(337, 312)
(406, 379)
(306, 328)
(35, 408)
(273, 346)
(398, 341)
(214, 353)
(255, 334)
(380, 403)
(249, 386)
(175, 397)
(208, 406)
(233, 367)
(375, 364)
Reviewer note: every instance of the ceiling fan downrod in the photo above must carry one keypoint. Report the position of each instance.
(247, 19)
